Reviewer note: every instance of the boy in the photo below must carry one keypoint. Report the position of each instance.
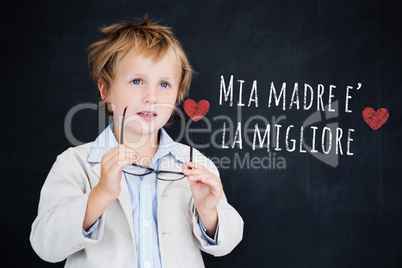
(96, 214)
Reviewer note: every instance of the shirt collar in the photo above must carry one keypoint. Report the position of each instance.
(107, 141)
(168, 146)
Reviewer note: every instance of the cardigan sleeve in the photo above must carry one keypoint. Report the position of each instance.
(57, 230)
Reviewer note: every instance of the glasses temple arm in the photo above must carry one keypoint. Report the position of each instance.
(176, 117)
(191, 144)
(122, 126)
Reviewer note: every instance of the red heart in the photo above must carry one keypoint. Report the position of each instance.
(375, 119)
(194, 110)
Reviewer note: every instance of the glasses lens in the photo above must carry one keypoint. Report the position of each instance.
(167, 176)
(136, 170)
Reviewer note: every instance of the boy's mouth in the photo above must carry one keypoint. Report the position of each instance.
(147, 114)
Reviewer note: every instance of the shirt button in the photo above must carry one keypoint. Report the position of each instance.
(145, 223)
(146, 264)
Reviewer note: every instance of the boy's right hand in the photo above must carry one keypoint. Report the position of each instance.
(111, 170)
(108, 188)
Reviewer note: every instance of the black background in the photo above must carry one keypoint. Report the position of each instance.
(306, 215)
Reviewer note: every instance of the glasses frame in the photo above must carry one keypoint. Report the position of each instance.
(151, 170)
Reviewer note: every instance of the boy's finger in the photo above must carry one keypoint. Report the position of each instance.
(206, 179)
(214, 185)
(191, 166)
(196, 166)
(118, 158)
(190, 172)
(110, 154)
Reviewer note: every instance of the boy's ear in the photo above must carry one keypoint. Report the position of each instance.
(103, 91)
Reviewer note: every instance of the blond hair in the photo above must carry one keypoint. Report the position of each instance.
(149, 38)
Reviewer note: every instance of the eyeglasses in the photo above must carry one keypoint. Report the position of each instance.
(164, 175)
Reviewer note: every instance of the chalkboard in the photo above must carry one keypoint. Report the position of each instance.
(317, 204)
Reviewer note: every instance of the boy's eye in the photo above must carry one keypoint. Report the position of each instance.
(136, 82)
(165, 84)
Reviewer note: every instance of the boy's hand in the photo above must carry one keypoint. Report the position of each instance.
(111, 170)
(207, 190)
(108, 188)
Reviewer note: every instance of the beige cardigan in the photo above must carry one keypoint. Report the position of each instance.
(57, 231)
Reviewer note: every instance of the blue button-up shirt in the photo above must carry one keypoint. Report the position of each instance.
(143, 196)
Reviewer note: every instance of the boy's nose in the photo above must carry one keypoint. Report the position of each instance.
(150, 96)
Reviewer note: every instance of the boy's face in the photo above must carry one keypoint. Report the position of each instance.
(147, 88)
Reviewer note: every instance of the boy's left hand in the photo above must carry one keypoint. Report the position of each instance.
(207, 190)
